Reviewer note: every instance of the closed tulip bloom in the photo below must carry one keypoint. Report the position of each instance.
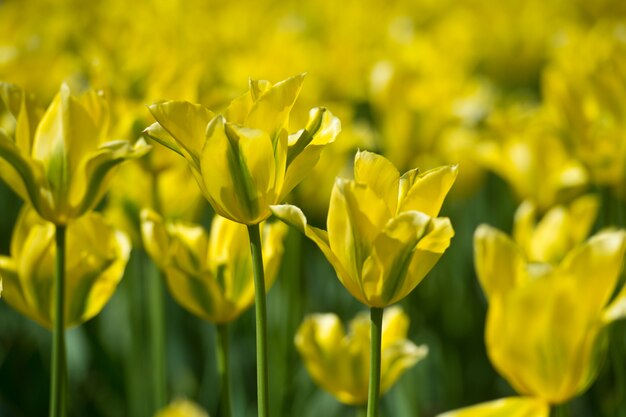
(339, 362)
(545, 322)
(559, 229)
(245, 160)
(182, 408)
(210, 274)
(59, 162)
(383, 234)
(99, 257)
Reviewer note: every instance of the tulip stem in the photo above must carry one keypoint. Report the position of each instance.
(224, 408)
(373, 398)
(157, 336)
(254, 231)
(58, 383)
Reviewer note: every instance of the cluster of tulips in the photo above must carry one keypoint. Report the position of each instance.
(531, 104)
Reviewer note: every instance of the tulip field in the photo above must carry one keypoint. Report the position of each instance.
(312, 208)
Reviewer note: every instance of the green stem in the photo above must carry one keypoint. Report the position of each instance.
(224, 408)
(58, 389)
(157, 339)
(157, 322)
(373, 398)
(261, 320)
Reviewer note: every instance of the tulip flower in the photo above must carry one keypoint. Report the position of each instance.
(182, 408)
(383, 237)
(556, 358)
(559, 230)
(245, 160)
(339, 362)
(210, 275)
(99, 257)
(525, 151)
(383, 231)
(60, 163)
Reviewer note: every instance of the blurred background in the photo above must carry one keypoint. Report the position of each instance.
(528, 97)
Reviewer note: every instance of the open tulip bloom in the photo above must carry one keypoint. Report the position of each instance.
(545, 330)
(244, 161)
(383, 236)
(60, 162)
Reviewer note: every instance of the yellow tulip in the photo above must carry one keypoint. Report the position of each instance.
(182, 408)
(245, 160)
(98, 258)
(210, 275)
(505, 407)
(556, 357)
(559, 230)
(383, 234)
(339, 362)
(526, 152)
(61, 163)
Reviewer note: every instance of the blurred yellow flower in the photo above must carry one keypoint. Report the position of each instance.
(509, 407)
(339, 362)
(544, 330)
(182, 408)
(98, 258)
(383, 234)
(245, 160)
(526, 152)
(61, 164)
(559, 230)
(210, 275)
(583, 88)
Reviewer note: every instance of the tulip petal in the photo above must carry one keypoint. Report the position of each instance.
(13, 291)
(617, 309)
(186, 123)
(94, 175)
(157, 133)
(239, 171)
(25, 113)
(596, 267)
(66, 133)
(380, 175)
(270, 111)
(300, 163)
(499, 263)
(294, 217)
(505, 407)
(429, 189)
(155, 238)
(385, 272)
(99, 258)
(554, 358)
(21, 174)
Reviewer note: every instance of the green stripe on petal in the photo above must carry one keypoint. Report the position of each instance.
(386, 271)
